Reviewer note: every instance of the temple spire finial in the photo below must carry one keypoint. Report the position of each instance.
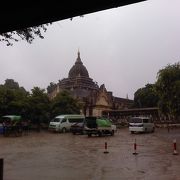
(78, 53)
(78, 58)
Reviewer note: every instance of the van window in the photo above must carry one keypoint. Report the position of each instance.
(135, 120)
(55, 120)
(63, 120)
(74, 120)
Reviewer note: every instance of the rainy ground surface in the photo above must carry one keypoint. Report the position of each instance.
(53, 156)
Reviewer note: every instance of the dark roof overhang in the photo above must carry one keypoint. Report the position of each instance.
(18, 16)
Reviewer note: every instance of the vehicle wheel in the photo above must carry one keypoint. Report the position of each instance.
(112, 133)
(63, 130)
(89, 134)
(132, 132)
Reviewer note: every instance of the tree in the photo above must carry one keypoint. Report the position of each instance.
(168, 88)
(52, 86)
(146, 97)
(39, 106)
(64, 103)
(10, 83)
(27, 34)
(13, 99)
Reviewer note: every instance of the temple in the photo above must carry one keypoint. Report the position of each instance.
(95, 99)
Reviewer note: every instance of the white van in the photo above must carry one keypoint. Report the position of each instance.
(62, 123)
(141, 124)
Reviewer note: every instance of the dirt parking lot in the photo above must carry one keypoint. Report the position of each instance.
(53, 156)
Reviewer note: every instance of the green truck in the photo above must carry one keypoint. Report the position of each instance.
(99, 126)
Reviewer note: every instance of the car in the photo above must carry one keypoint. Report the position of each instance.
(77, 128)
(141, 124)
(63, 123)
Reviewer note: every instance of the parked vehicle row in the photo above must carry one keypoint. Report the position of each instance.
(79, 124)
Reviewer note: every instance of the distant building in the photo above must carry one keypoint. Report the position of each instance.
(95, 99)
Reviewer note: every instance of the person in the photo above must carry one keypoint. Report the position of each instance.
(16, 127)
(7, 126)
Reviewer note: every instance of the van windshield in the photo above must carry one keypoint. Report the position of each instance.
(56, 120)
(135, 120)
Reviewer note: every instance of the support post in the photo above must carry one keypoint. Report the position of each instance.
(1, 168)
(135, 146)
(175, 148)
(106, 148)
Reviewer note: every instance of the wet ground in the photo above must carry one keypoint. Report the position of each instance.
(53, 156)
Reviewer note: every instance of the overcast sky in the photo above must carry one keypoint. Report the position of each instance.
(123, 48)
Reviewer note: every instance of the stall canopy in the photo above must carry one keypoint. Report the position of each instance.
(12, 117)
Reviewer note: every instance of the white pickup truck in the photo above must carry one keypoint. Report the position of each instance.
(99, 126)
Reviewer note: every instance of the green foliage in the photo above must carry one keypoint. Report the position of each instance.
(36, 105)
(13, 99)
(52, 86)
(168, 88)
(146, 97)
(39, 105)
(10, 83)
(64, 103)
(165, 93)
(28, 34)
